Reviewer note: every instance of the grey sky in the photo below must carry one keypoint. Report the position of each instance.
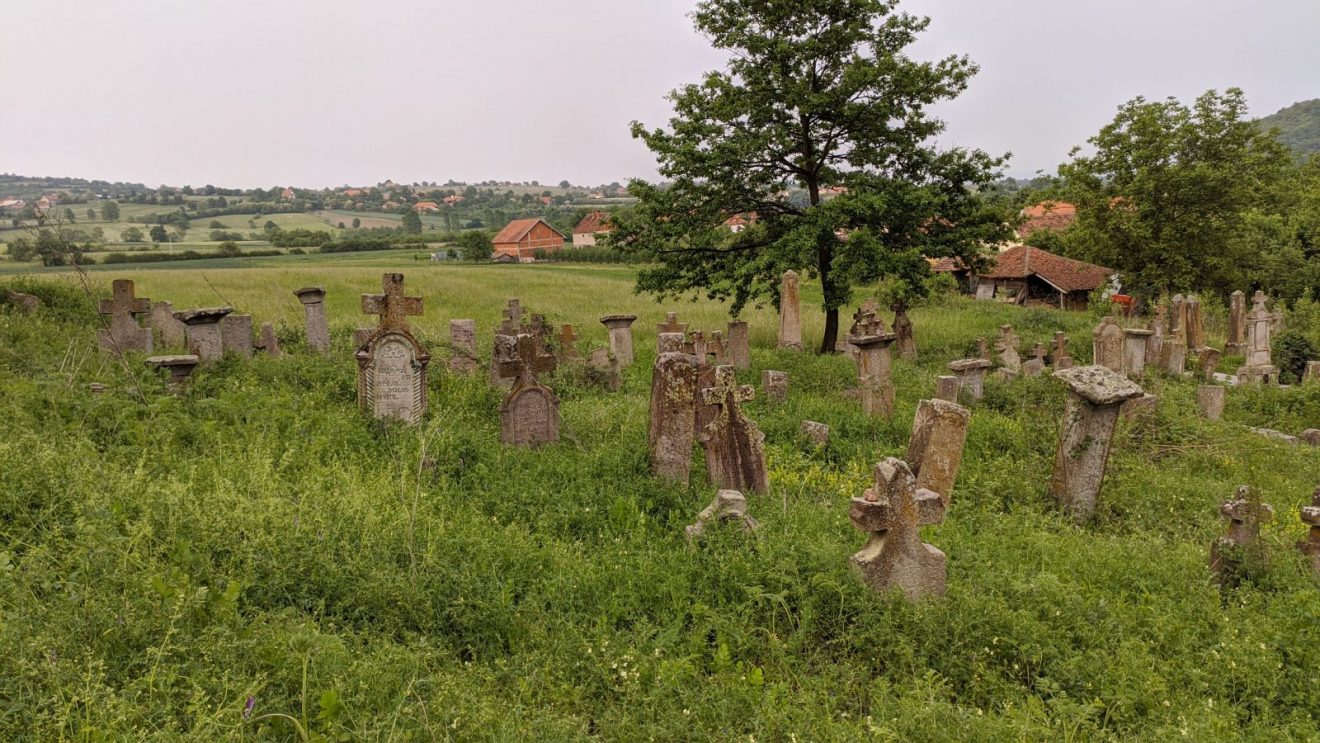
(329, 92)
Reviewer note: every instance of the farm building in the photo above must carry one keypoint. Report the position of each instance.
(426, 206)
(595, 223)
(522, 237)
(1053, 216)
(1025, 275)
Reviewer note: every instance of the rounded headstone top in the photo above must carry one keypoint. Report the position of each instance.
(310, 294)
(203, 316)
(607, 319)
(1099, 385)
(179, 360)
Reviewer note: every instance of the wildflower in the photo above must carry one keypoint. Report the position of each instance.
(248, 706)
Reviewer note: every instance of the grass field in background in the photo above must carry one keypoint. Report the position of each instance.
(166, 559)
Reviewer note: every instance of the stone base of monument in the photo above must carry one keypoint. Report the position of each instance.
(1258, 375)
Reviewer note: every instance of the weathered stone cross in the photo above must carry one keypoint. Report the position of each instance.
(392, 306)
(727, 393)
(671, 324)
(529, 362)
(124, 305)
(512, 318)
(568, 339)
(893, 512)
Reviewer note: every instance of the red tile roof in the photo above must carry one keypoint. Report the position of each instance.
(594, 223)
(1047, 215)
(516, 230)
(1065, 274)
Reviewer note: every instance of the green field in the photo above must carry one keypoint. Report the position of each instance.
(165, 559)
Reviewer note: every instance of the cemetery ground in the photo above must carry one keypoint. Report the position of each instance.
(167, 560)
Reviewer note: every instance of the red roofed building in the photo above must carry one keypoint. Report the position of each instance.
(1047, 215)
(522, 237)
(1024, 275)
(426, 206)
(287, 194)
(739, 222)
(595, 223)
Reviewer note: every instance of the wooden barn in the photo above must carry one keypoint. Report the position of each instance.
(523, 237)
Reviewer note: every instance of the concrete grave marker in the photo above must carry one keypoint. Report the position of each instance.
(892, 513)
(1208, 362)
(735, 447)
(946, 388)
(1135, 343)
(1095, 396)
(605, 369)
(318, 330)
(817, 433)
(621, 340)
(790, 312)
(873, 373)
(1195, 322)
(205, 340)
(391, 362)
(1159, 327)
(529, 415)
(124, 334)
(907, 341)
(670, 325)
(568, 338)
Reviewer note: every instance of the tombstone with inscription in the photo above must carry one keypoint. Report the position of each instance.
(1135, 343)
(1107, 345)
(391, 362)
(1259, 366)
(1095, 397)
(775, 384)
(529, 415)
(735, 447)
(673, 409)
(318, 330)
(124, 333)
(670, 325)
(874, 368)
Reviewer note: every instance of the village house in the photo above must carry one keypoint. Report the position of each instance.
(1029, 276)
(522, 237)
(595, 223)
(453, 199)
(287, 194)
(426, 206)
(739, 222)
(1052, 216)
(13, 205)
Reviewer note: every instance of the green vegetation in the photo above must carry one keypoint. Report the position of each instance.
(1298, 125)
(822, 99)
(166, 559)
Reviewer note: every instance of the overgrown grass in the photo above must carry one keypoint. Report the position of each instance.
(163, 562)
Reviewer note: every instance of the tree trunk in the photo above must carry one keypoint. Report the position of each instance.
(824, 262)
(830, 341)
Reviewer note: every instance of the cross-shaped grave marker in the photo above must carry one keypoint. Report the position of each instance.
(529, 415)
(1311, 545)
(512, 322)
(568, 339)
(1245, 514)
(893, 512)
(529, 363)
(735, 447)
(393, 307)
(124, 334)
(671, 324)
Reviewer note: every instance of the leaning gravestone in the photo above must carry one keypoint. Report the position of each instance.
(124, 333)
(892, 512)
(790, 314)
(603, 369)
(739, 350)
(171, 333)
(621, 340)
(935, 450)
(1311, 545)
(391, 363)
(1209, 362)
(1237, 324)
(318, 330)
(529, 415)
(462, 346)
(1245, 513)
(735, 447)
(236, 335)
(204, 336)
(673, 409)
(1095, 396)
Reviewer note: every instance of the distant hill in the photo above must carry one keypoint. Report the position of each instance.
(1299, 126)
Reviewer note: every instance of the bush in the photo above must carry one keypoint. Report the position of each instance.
(1292, 349)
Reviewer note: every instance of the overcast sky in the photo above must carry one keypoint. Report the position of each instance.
(331, 92)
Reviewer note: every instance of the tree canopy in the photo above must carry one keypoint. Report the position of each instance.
(817, 134)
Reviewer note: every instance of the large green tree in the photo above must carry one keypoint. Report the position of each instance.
(818, 127)
(1167, 193)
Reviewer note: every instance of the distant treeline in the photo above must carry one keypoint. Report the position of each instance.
(187, 255)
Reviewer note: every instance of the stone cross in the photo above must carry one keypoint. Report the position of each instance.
(892, 513)
(935, 450)
(728, 506)
(621, 340)
(873, 373)
(205, 340)
(171, 332)
(1060, 358)
(513, 318)
(392, 306)
(1107, 345)
(775, 384)
(269, 342)
(1135, 343)
(1245, 513)
(318, 331)
(698, 347)
(568, 339)
(790, 315)
(541, 332)
(735, 447)
(529, 415)
(672, 429)
(1095, 396)
(236, 335)
(739, 349)
(867, 320)
(671, 325)
(1036, 366)
(907, 341)
(1237, 323)
(1006, 345)
(124, 333)
(971, 376)
(463, 346)
(1311, 545)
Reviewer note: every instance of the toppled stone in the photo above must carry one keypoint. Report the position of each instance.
(728, 506)
(817, 433)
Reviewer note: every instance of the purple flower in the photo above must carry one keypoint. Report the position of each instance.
(247, 708)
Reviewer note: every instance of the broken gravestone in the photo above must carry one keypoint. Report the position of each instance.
(735, 447)
(971, 376)
(1060, 358)
(728, 506)
(1229, 553)
(180, 368)
(269, 342)
(672, 429)
(817, 433)
(935, 450)
(1006, 345)
(892, 513)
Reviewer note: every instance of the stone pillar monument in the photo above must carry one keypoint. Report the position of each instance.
(1095, 395)
(318, 331)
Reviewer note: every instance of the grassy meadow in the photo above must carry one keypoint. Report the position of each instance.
(167, 560)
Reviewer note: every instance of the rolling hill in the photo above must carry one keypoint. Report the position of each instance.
(1298, 125)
